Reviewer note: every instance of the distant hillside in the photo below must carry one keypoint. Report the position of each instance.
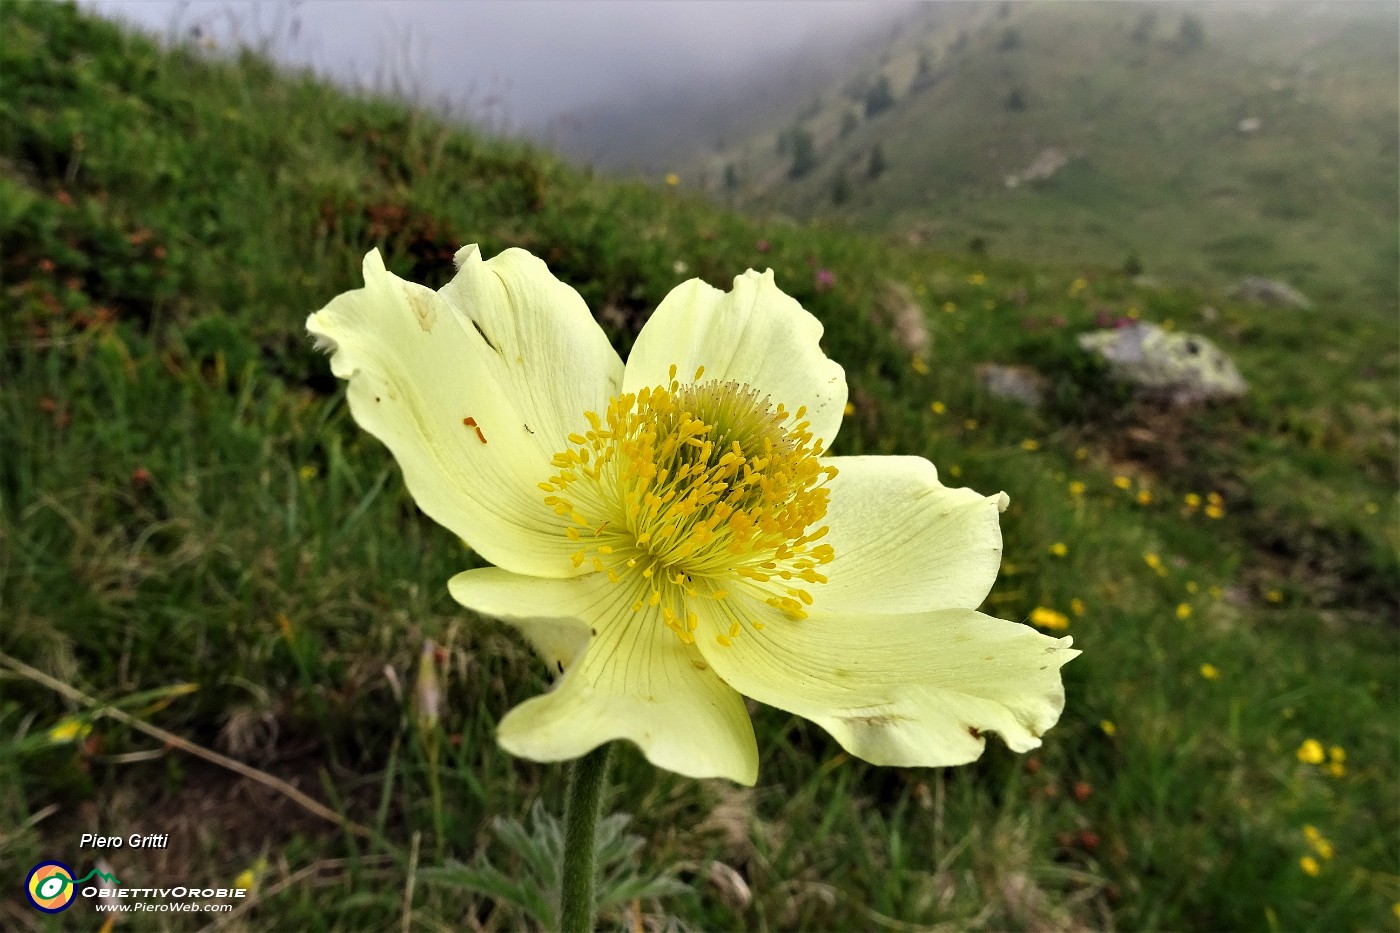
(656, 129)
(1204, 142)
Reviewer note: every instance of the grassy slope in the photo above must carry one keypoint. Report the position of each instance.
(183, 498)
(1158, 168)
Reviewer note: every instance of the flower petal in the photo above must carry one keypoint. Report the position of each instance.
(634, 679)
(904, 542)
(754, 335)
(547, 352)
(421, 383)
(905, 690)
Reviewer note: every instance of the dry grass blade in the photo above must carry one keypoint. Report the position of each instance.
(253, 774)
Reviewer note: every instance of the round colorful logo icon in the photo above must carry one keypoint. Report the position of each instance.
(50, 887)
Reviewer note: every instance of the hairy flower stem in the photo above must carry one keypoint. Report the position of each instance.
(587, 778)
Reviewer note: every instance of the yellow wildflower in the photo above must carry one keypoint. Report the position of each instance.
(1152, 560)
(307, 472)
(949, 307)
(1081, 453)
(1274, 596)
(970, 424)
(1192, 586)
(1144, 497)
(1183, 611)
(1210, 672)
(249, 878)
(1309, 865)
(69, 730)
(1059, 549)
(919, 366)
(1108, 727)
(1310, 752)
(1122, 482)
(1133, 313)
(1076, 488)
(1030, 444)
(938, 408)
(1076, 606)
(1214, 511)
(1371, 508)
(1193, 500)
(1077, 286)
(1337, 753)
(673, 179)
(1336, 769)
(1049, 618)
(850, 409)
(955, 471)
(976, 278)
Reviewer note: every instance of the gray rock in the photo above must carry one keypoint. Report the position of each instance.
(1014, 383)
(1271, 292)
(904, 316)
(1183, 368)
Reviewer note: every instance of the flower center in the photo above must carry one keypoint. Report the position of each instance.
(692, 485)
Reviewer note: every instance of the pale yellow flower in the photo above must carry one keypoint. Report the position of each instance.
(1108, 727)
(1309, 865)
(1059, 549)
(1210, 672)
(1077, 487)
(670, 535)
(938, 408)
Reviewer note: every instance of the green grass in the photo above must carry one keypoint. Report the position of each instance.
(1158, 169)
(185, 499)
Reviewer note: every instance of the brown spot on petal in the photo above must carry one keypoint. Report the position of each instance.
(423, 310)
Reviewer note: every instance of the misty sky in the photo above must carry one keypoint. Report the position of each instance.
(521, 62)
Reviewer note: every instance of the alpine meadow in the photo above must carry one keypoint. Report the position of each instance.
(224, 619)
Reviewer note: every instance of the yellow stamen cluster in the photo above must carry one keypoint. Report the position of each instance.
(694, 484)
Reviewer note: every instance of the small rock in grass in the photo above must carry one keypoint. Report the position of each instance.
(1272, 292)
(1013, 383)
(1183, 368)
